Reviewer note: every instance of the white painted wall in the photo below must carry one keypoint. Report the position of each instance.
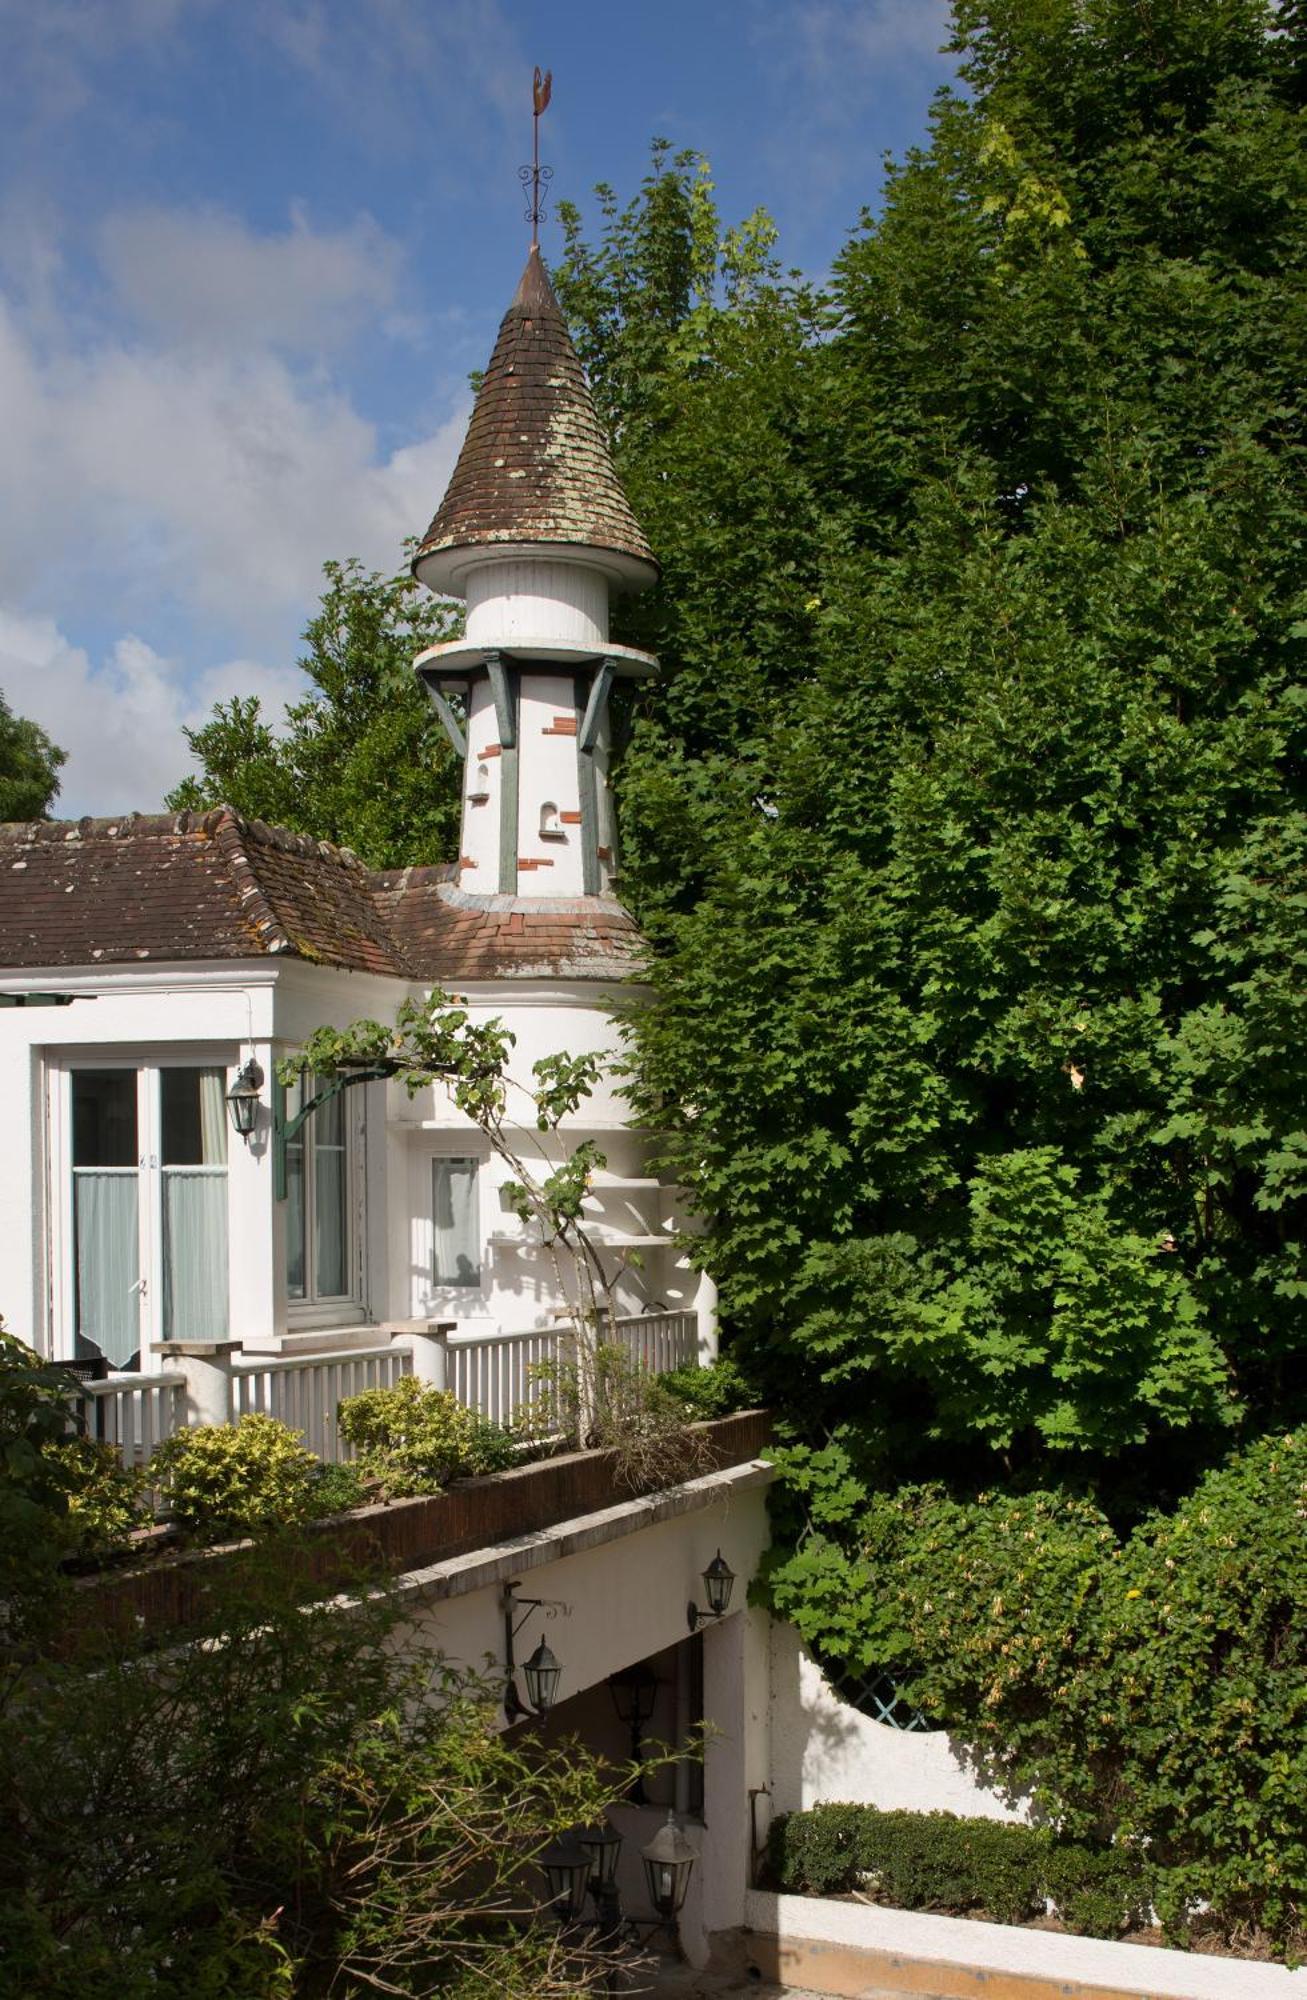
(537, 601)
(822, 1749)
(483, 778)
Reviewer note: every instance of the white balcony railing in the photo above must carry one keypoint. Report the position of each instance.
(489, 1373)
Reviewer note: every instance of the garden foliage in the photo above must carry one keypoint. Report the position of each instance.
(220, 1481)
(303, 1800)
(1146, 1689)
(412, 1438)
(936, 1861)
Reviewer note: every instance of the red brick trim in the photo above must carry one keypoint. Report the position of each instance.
(563, 725)
(604, 853)
(466, 861)
(570, 819)
(491, 750)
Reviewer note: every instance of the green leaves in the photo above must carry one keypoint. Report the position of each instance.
(29, 767)
(362, 759)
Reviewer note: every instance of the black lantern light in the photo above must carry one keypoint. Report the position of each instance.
(603, 1844)
(668, 1861)
(634, 1692)
(243, 1099)
(718, 1581)
(566, 1868)
(542, 1674)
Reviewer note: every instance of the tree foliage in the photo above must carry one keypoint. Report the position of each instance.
(969, 823)
(362, 759)
(29, 767)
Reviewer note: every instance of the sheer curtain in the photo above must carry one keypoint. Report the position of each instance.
(195, 1211)
(108, 1260)
(457, 1232)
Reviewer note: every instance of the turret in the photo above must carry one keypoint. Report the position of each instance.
(536, 534)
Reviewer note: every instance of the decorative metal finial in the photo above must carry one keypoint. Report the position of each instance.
(535, 179)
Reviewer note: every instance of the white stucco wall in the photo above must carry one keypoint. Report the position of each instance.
(822, 1750)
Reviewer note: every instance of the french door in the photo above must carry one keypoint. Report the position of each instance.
(141, 1254)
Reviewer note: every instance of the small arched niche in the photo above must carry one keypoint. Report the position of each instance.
(551, 828)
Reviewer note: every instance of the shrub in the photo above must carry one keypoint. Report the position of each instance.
(337, 1488)
(714, 1391)
(607, 1400)
(106, 1499)
(1148, 1690)
(223, 1480)
(415, 1439)
(937, 1861)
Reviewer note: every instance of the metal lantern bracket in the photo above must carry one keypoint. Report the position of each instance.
(285, 1129)
(718, 1583)
(516, 1612)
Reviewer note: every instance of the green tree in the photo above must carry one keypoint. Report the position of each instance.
(29, 767)
(978, 1031)
(362, 759)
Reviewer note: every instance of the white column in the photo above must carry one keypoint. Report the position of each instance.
(207, 1366)
(428, 1342)
(736, 1761)
(705, 1310)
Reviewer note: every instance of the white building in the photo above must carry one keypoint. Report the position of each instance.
(144, 961)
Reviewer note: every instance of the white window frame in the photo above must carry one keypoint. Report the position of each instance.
(146, 1064)
(347, 1308)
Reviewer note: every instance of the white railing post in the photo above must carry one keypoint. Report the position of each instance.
(207, 1366)
(705, 1313)
(428, 1342)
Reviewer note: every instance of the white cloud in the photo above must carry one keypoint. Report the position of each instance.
(215, 482)
(202, 278)
(836, 43)
(119, 719)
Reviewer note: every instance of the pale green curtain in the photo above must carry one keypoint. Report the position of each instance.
(195, 1303)
(195, 1253)
(457, 1232)
(108, 1260)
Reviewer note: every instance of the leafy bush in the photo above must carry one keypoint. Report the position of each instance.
(936, 1861)
(106, 1499)
(415, 1439)
(223, 1480)
(337, 1488)
(715, 1391)
(1148, 1690)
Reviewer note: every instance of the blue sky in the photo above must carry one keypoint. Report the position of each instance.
(249, 251)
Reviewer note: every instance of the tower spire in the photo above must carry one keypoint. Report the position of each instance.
(535, 179)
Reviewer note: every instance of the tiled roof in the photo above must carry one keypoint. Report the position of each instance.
(535, 464)
(449, 936)
(213, 885)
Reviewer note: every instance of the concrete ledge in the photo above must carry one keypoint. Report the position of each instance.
(868, 1953)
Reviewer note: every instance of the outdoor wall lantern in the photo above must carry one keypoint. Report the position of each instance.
(668, 1862)
(634, 1692)
(541, 1672)
(566, 1867)
(243, 1099)
(603, 1844)
(718, 1581)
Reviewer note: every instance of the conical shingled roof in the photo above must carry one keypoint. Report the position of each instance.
(535, 465)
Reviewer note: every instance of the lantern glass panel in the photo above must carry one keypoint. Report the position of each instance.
(718, 1581)
(542, 1674)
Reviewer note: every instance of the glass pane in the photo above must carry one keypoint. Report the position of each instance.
(329, 1120)
(457, 1233)
(107, 1258)
(104, 1118)
(194, 1254)
(329, 1220)
(295, 1218)
(193, 1113)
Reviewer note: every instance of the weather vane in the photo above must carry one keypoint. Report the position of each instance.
(535, 179)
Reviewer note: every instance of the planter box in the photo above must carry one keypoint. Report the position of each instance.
(857, 1949)
(175, 1590)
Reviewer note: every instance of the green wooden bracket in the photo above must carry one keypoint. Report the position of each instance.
(285, 1129)
(596, 706)
(501, 687)
(453, 728)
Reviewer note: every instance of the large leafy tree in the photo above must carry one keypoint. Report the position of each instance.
(29, 767)
(362, 759)
(978, 884)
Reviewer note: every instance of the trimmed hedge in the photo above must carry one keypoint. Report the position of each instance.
(936, 1861)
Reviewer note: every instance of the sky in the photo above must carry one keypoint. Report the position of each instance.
(250, 251)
